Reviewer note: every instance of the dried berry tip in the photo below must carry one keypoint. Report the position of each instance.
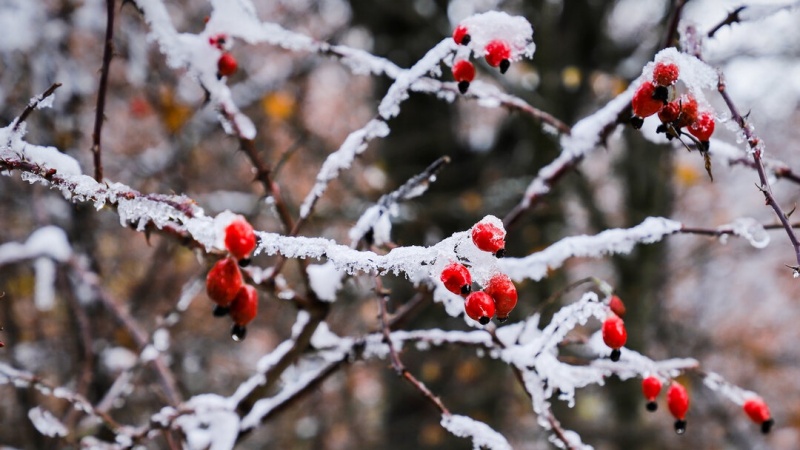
(466, 289)
(466, 39)
(502, 319)
(484, 320)
(615, 355)
(220, 311)
(238, 332)
(504, 65)
(661, 93)
(652, 406)
(636, 122)
(244, 262)
(680, 426)
(500, 253)
(767, 426)
(463, 86)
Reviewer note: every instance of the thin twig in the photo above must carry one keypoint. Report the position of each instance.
(733, 17)
(555, 425)
(781, 171)
(33, 104)
(86, 376)
(139, 336)
(397, 364)
(99, 113)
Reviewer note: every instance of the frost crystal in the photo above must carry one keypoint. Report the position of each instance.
(750, 229)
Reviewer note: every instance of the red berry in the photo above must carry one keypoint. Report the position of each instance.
(498, 51)
(758, 411)
(489, 238)
(665, 74)
(245, 306)
(243, 310)
(678, 403)
(456, 279)
(240, 239)
(644, 103)
(479, 306)
(614, 335)
(670, 112)
(227, 65)
(461, 36)
(463, 73)
(223, 281)
(504, 294)
(688, 113)
(703, 127)
(616, 305)
(218, 40)
(651, 387)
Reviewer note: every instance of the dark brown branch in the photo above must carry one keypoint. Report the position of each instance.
(780, 171)
(33, 104)
(755, 145)
(733, 17)
(317, 313)
(397, 364)
(672, 29)
(86, 376)
(99, 114)
(555, 425)
(139, 336)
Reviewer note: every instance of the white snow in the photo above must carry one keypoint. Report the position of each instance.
(516, 31)
(750, 229)
(482, 435)
(117, 359)
(46, 423)
(341, 159)
(44, 288)
(211, 426)
(325, 280)
(613, 241)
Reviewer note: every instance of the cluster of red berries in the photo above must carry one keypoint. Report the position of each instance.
(658, 96)
(224, 282)
(677, 400)
(499, 296)
(678, 404)
(497, 54)
(226, 64)
(614, 333)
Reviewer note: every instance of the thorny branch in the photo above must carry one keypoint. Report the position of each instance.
(756, 146)
(733, 17)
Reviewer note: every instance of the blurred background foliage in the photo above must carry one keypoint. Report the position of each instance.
(687, 296)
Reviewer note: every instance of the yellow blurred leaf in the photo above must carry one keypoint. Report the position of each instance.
(173, 113)
(686, 175)
(278, 105)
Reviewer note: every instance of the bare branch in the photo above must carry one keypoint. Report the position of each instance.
(33, 104)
